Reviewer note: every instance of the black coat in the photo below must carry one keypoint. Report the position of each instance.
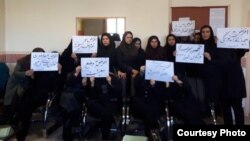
(229, 62)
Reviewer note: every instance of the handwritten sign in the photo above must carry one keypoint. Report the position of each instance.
(159, 70)
(183, 28)
(190, 53)
(84, 44)
(41, 61)
(237, 38)
(97, 67)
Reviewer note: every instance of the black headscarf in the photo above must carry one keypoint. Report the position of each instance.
(26, 60)
(157, 53)
(106, 51)
(170, 49)
(127, 49)
(135, 40)
(209, 43)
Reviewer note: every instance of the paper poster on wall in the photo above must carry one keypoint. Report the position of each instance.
(159, 71)
(237, 38)
(94, 67)
(41, 61)
(184, 19)
(217, 18)
(84, 44)
(190, 53)
(183, 28)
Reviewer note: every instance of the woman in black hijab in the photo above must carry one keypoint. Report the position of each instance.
(101, 95)
(126, 57)
(209, 70)
(105, 93)
(183, 102)
(41, 83)
(69, 62)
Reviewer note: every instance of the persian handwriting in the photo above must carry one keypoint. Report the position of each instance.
(41, 61)
(97, 67)
(183, 28)
(159, 70)
(190, 53)
(84, 44)
(233, 38)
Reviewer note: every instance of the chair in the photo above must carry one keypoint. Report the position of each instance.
(4, 71)
(46, 112)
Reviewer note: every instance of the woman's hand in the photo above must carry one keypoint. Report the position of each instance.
(108, 78)
(167, 84)
(152, 82)
(78, 70)
(29, 73)
(177, 80)
(59, 66)
(92, 81)
(208, 56)
(142, 68)
(93, 55)
(134, 73)
(174, 53)
(73, 56)
(122, 75)
(84, 81)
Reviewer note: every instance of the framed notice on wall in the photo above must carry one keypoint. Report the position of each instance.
(209, 15)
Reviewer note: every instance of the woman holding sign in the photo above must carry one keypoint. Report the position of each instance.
(233, 86)
(40, 84)
(105, 93)
(128, 66)
(210, 71)
(183, 102)
(101, 95)
(146, 104)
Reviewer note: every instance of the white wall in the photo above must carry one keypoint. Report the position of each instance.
(246, 10)
(51, 23)
(2, 26)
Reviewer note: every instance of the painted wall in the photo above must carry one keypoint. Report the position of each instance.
(51, 23)
(245, 15)
(235, 15)
(2, 26)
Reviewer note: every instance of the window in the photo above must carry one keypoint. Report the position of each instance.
(115, 25)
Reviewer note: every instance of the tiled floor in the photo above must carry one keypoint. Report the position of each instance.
(36, 133)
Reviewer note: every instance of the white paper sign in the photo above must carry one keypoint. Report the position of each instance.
(184, 19)
(159, 70)
(190, 53)
(217, 18)
(84, 44)
(97, 67)
(183, 28)
(41, 61)
(237, 38)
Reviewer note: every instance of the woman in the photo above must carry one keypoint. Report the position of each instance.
(146, 104)
(184, 106)
(139, 79)
(101, 95)
(210, 71)
(40, 84)
(126, 57)
(233, 86)
(69, 61)
(105, 93)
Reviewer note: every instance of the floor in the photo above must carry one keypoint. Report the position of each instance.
(36, 133)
